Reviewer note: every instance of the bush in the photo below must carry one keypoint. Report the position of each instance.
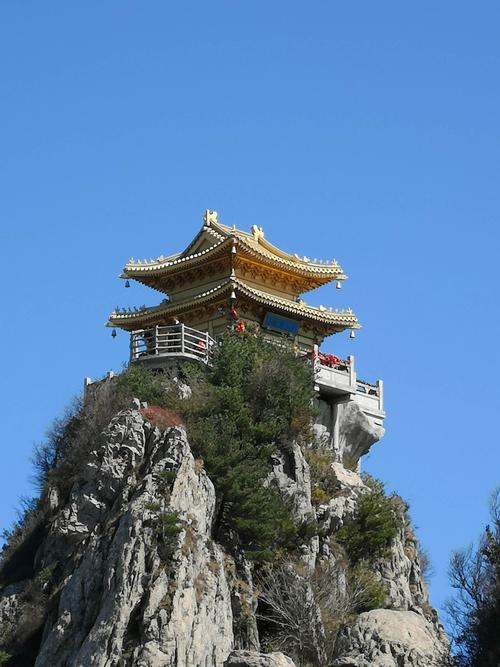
(276, 386)
(144, 384)
(376, 522)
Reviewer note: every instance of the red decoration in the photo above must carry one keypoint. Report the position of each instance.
(234, 313)
(240, 327)
(331, 360)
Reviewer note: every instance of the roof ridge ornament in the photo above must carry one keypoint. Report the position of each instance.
(210, 217)
(257, 232)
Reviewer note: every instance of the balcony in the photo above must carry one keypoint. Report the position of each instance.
(336, 378)
(157, 345)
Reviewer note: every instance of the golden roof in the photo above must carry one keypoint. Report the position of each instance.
(215, 240)
(334, 320)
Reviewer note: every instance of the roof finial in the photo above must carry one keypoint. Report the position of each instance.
(209, 217)
(258, 232)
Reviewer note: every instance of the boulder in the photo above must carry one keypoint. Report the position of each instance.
(357, 433)
(389, 638)
(255, 659)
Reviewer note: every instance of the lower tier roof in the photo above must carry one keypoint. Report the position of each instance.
(331, 320)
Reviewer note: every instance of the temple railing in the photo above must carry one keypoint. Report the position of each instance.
(334, 376)
(177, 340)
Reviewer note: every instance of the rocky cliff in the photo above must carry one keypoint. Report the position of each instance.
(125, 570)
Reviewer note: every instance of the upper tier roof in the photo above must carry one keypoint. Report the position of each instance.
(214, 241)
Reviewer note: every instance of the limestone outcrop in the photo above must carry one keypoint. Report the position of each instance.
(125, 571)
(255, 659)
(389, 638)
(148, 604)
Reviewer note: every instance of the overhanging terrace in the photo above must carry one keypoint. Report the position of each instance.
(336, 380)
(154, 347)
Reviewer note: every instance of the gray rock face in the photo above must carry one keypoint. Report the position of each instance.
(388, 638)
(342, 506)
(131, 595)
(142, 583)
(401, 573)
(292, 477)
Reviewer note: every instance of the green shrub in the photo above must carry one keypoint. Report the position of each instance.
(319, 496)
(144, 384)
(45, 575)
(152, 507)
(171, 525)
(4, 657)
(375, 524)
(362, 577)
(167, 530)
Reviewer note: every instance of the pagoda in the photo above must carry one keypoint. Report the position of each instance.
(227, 277)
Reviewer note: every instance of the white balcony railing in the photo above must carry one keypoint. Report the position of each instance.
(177, 340)
(340, 379)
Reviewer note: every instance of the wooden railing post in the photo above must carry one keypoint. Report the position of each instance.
(182, 338)
(156, 339)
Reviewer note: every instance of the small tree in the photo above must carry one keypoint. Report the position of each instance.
(376, 522)
(474, 612)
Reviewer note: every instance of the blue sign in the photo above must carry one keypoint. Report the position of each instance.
(283, 324)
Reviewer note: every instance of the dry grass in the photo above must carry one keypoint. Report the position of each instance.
(162, 418)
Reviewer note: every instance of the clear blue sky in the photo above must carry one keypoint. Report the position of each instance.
(364, 131)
